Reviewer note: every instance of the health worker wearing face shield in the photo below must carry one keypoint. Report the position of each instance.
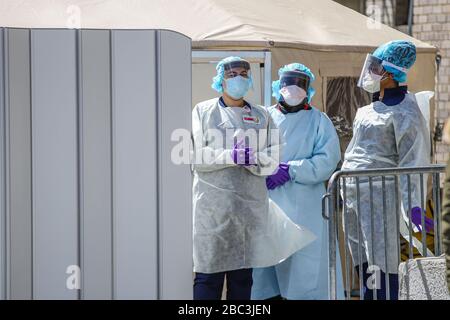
(390, 132)
(310, 155)
(230, 202)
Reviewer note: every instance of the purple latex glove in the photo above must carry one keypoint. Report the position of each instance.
(243, 155)
(279, 178)
(416, 218)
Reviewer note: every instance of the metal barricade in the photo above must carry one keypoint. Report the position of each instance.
(353, 206)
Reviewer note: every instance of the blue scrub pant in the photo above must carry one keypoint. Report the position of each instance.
(381, 293)
(209, 286)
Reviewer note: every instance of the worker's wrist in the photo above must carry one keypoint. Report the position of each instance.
(292, 171)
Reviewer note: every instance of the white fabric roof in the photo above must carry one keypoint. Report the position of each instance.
(319, 24)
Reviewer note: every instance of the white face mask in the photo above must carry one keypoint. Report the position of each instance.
(293, 95)
(371, 82)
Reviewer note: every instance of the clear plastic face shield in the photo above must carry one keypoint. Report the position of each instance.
(295, 78)
(373, 73)
(238, 80)
(294, 87)
(237, 68)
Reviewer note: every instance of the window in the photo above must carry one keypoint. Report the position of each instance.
(401, 12)
(343, 98)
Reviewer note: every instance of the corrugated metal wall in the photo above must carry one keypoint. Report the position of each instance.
(86, 118)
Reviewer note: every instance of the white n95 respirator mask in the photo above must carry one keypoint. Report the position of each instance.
(293, 95)
(371, 82)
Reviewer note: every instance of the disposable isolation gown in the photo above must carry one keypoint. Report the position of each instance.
(311, 147)
(233, 227)
(383, 137)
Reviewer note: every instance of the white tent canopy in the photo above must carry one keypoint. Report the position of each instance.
(331, 39)
(322, 24)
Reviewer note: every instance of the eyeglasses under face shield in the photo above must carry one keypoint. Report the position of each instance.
(295, 78)
(237, 68)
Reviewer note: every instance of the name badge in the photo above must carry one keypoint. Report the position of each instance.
(250, 119)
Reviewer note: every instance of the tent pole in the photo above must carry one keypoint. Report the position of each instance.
(410, 16)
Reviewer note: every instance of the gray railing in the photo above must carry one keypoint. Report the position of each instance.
(367, 196)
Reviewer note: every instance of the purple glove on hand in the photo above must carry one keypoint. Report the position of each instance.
(243, 155)
(416, 218)
(279, 178)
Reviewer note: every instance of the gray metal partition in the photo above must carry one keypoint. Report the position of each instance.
(87, 181)
(19, 137)
(3, 237)
(135, 163)
(96, 208)
(54, 160)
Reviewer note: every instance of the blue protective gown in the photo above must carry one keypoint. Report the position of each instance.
(311, 147)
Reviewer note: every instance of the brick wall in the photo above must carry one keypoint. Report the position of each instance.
(432, 25)
(380, 10)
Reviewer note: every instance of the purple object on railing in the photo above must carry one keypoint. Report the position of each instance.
(416, 218)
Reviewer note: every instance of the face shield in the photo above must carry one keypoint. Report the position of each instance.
(237, 68)
(295, 78)
(238, 79)
(294, 87)
(372, 73)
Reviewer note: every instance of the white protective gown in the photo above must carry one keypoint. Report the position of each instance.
(233, 227)
(383, 137)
